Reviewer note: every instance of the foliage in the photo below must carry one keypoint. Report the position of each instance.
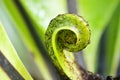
(25, 22)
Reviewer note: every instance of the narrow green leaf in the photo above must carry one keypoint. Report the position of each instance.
(9, 55)
(98, 14)
(27, 38)
(3, 74)
(22, 51)
(112, 44)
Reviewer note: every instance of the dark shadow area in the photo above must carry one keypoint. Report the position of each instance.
(101, 56)
(118, 71)
(72, 6)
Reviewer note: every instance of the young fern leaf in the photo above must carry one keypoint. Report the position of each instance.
(66, 34)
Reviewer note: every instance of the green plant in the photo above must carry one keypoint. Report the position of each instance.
(26, 21)
(66, 34)
(11, 66)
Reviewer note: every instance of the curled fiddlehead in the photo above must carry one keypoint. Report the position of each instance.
(66, 34)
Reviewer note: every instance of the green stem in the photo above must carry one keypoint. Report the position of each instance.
(66, 34)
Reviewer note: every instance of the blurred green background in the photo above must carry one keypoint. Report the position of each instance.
(26, 21)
